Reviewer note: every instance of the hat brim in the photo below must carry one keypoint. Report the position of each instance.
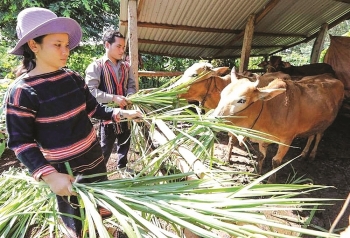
(56, 25)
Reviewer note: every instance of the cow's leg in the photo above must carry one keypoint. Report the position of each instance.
(261, 158)
(307, 146)
(277, 159)
(231, 142)
(314, 150)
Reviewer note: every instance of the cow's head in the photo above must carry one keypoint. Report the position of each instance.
(275, 64)
(204, 83)
(240, 95)
(286, 64)
(263, 64)
(199, 71)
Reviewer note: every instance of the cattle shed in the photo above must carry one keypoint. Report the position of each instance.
(219, 29)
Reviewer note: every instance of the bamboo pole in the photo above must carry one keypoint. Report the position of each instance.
(190, 162)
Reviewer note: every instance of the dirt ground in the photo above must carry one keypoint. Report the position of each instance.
(331, 167)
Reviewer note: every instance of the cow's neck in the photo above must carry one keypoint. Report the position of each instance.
(207, 92)
(255, 117)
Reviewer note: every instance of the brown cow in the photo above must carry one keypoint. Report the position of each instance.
(308, 69)
(276, 64)
(205, 82)
(208, 85)
(284, 109)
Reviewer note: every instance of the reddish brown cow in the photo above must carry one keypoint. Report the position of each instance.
(284, 109)
(209, 83)
(204, 84)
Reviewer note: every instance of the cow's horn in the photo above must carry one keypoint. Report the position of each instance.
(233, 74)
(256, 83)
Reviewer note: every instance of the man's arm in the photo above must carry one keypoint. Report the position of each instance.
(131, 87)
(92, 79)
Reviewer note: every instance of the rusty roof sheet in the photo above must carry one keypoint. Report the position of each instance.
(205, 29)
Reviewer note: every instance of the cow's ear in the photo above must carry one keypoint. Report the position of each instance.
(226, 77)
(208, 67)
(269, 93)
(220, 71)
(273, 89)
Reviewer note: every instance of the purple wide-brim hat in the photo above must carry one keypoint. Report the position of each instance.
(35, 21)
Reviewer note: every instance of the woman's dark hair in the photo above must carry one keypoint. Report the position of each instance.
(28, 62)
(109, 36)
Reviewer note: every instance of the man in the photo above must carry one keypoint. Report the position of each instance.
(110, 79)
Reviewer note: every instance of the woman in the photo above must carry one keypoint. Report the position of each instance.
(48, 110)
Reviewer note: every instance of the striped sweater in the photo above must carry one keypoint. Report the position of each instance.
(48, 119)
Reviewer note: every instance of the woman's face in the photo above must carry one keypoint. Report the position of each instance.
(52, 54)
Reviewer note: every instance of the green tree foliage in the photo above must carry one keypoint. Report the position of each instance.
(7, 62)
(225, 62)
(82, 56)
(300, 54)
(93, 15)
(161, 63)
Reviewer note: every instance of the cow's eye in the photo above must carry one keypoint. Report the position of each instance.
(242, 100)
(194, 75)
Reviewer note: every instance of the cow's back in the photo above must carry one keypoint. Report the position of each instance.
(325, 96)
(306, 108)
(309, 69)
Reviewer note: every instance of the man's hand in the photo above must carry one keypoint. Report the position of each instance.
(120, 100)
(60, 184)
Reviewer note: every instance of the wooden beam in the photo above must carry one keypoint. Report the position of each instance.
(231, 56)
(140, 7)
(339, 20)
(174, 55)
(133, 42)
(279, 34)
(344, 1)
(318, 44)
(145, 41)
(311, 37)
(206, 30)
(247, 43)
(269, 6)
(159, 73)
(258, 18)
(181, 27)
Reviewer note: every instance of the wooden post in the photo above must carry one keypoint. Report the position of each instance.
(133, 39)
(317, 48)
(247, 43)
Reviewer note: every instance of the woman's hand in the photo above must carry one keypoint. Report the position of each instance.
(60, 184)
(131, 115)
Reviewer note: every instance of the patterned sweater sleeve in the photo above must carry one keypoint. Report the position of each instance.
(20, 117)
(94, 108)
(92, 80)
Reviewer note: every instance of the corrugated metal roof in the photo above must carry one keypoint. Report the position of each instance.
(211, 29)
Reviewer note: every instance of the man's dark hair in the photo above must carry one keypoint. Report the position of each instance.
(109, 36)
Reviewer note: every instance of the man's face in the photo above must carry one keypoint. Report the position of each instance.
(115, 51)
